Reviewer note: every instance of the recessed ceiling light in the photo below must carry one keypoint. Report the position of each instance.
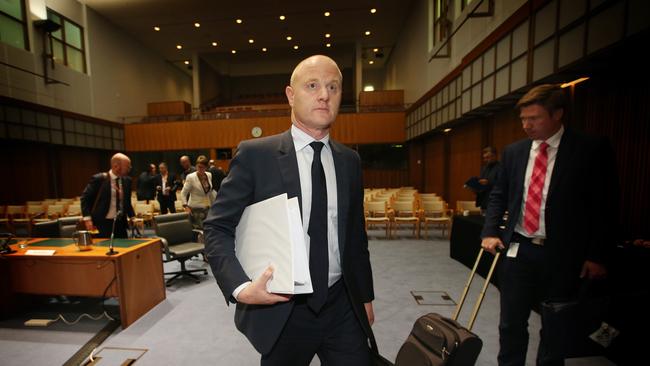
(327, 35)
(289, 38)
(295, 47)
(186, 62)
(251, 41)
(239, 21)
(371, 62)
(214, 44)
(375, 50)
(233, 51)
(328, 45)
(373, 10)
(446, 130)
(263, 49)
(178, 46)
(282, 17)
(367, 33)
(156, 28)
(197, 24)
(327, 13)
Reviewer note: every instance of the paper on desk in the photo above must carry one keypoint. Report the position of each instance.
(270, 233)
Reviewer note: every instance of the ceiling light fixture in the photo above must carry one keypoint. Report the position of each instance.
(251, 41)
(327, 13)
(375, 50)
(289, 38)
(373, 10)
(178, 46)
(239, 21)
(186, 62)
(233, 51)
(197, 24)
(282, 17)
(295, 47)
(371, 62)
(574, 82)
(327, 35)
(156, 28)
(328, 45)
(367, 33)
(214, 44)
(446, 130)
(263, 49)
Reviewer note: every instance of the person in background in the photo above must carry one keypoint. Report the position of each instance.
(489, 176)
(217, 175)
(187, 166)
(166, 187)
(107, 199)
(334, 321)
(556, 186)
(197, 194)
(146, 187)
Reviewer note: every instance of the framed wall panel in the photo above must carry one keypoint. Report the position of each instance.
(567, 50)
(518, 74)
(545, 22)
(543, 60)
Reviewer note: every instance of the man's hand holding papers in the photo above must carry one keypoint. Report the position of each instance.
(256, 293)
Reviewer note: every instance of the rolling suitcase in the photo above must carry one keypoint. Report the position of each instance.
(436, 340)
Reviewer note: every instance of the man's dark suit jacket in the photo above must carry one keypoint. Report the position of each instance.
(173, 186)
(217, 177)
(581, 204)
(146, 188)
(99, 184)
(264, 168)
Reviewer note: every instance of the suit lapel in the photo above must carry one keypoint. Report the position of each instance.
(520, 163)
(289, 167)
(342, 192)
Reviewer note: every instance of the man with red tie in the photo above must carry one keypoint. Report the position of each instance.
(559, 188)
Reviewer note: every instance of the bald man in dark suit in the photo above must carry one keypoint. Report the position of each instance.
(333, 322)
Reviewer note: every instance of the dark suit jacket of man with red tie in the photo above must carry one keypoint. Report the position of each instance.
(99, 189)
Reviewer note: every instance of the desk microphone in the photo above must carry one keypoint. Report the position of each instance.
(112, 251)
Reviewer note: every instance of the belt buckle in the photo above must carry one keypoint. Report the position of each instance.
(537, 241)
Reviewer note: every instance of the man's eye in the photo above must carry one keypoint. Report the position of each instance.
(312, 85)
(333, 87)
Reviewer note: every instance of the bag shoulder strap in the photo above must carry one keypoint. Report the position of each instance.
(92, 210)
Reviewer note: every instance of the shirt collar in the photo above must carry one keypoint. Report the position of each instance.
(302, 139)
(553, 141)
(113, 176)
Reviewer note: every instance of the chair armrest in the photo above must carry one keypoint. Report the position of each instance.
(199, 235)
(165, 248)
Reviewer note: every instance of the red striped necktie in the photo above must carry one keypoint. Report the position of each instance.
(535, 188)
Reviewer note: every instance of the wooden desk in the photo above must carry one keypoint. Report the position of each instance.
(134, 275)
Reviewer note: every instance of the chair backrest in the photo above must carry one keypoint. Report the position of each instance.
(34, 210)
(15, 211)
(46, 229)
(68, 225)
(143, 209)
(403, 208)
(467, 206)
(377, 208)
(175, 228)
(74, 210)
(33, 203)
(55, 210)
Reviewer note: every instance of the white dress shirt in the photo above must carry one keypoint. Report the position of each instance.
(305, 156)
(553, 145)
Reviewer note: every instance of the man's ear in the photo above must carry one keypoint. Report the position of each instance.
(289, 92)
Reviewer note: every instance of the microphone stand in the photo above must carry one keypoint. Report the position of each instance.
(112, 251)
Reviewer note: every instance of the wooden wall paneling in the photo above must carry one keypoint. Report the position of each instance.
(385, 178)
(434, 158)
(464, 160)
(505, 128)
(28, 173)
(77, 166)
(353, 128)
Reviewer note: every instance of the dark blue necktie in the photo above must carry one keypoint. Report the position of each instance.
(318, 253)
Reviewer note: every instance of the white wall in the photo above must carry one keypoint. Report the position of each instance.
(123, 76)
(408, 66)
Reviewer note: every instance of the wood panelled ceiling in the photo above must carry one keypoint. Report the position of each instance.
(304, 21)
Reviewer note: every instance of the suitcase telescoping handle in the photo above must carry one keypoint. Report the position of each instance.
(477, 306)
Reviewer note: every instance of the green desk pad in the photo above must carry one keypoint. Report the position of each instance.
(52, 243)
(121, 243)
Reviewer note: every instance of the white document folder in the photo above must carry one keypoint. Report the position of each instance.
(270, 232)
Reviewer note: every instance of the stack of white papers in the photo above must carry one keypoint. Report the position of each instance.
(270, 233)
